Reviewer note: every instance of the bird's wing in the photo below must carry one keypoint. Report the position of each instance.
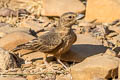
(44, 43)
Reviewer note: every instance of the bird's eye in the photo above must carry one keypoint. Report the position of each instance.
(70, 17)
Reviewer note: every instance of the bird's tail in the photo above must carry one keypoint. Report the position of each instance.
(19, 47)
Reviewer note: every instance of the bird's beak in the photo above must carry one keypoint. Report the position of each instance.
(79, 16)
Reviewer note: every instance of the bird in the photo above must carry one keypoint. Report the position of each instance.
(56, 41)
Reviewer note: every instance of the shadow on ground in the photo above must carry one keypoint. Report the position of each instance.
(88, 50)
(79, 52)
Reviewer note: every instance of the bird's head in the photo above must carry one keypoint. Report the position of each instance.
(68, 19)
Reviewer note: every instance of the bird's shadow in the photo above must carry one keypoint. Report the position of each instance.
(80, 51)
(87, 50)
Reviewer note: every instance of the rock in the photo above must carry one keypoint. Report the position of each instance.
(34, 25)
(2, 26)
(96, 66)
(11, 40)
(5, 25)
(114, 28)
(83, 48)
(36, 57)
(119, 71)
(12, 78)
(99, 31)
(6, 29)
(83, 27)
(2, 34)
(112, 35)
(26, 65)
(86, 24)
(32, 77)
(32, 6)
(64, 77)
(110, 52)
(57, 8)
(108, 10)
(115, 39)
(22, 12)
(44, 19)
(33, 56)
(6, 60)
(7, 12)
(96, 78)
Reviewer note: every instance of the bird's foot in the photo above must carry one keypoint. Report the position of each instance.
(45, 60)
(46, 63)
(62, 64)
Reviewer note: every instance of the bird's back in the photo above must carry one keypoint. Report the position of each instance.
(44, 43)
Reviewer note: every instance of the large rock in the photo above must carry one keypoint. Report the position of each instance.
(7, 12)
(64, 77)
(34, 56)
(7, 29)
(85, 46)
(102, 11)
(11, 40)
(12, 78)
(34, 25)
(5, 25)
(7, 61)
(32, 6)
(58, 7)
(96, 67)
(33, 77)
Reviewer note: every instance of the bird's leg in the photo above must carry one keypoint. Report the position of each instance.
(58, 59)
(45, 59)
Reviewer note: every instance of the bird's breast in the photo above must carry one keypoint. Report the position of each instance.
(68, 40)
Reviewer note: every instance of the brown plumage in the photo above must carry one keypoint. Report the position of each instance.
(57, 41)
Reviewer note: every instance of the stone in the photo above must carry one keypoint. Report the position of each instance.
(33, 77)
(32, 6)
(85, 24)
(64, 77)
(35, 56)
(83, 27)
(7, 61)
(44, 19)
(22, 12)
(105, 67)
(110, 52)
(2, 34)
(11, 40)
(105, 11)
(99, 32)
(114, 28)
(115, 39)
(34, 25)
(119, 71)
(57, 8)
(7, 30)
(7, 12)
(26, 65)
(85, 46)
(12, 78)
(5, 25)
